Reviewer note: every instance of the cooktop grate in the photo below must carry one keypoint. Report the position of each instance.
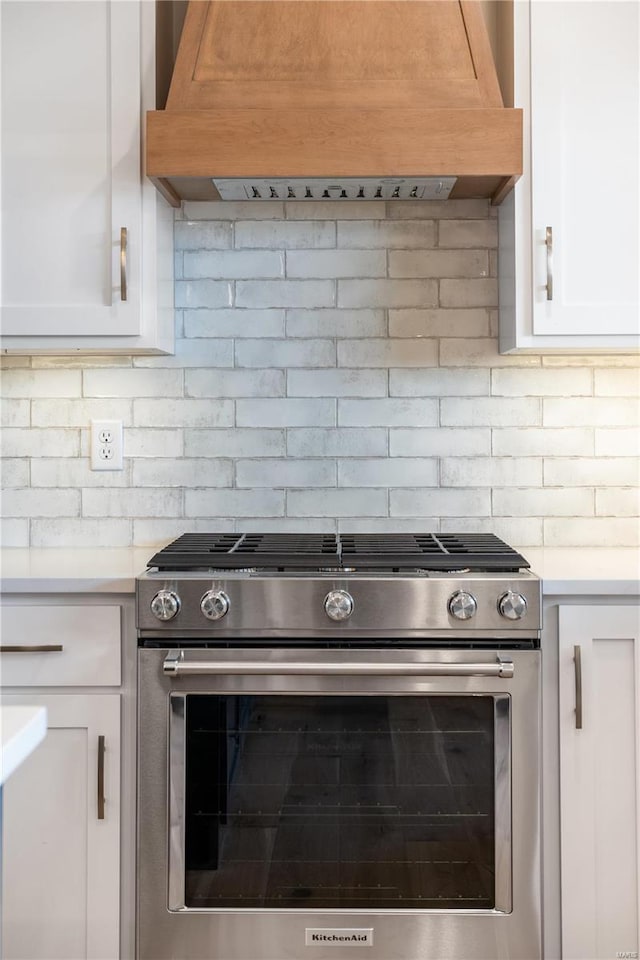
(361, 551)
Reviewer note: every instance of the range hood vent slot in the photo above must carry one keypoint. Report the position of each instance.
(347, 188)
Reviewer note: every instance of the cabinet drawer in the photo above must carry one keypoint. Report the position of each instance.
(88, 635)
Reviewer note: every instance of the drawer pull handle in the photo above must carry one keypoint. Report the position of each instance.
(123, 263)
(31, 648)
(101, 750)
(549, 245)
(577, 661)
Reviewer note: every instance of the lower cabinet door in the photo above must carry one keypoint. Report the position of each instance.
(599, 780)
(61, 835)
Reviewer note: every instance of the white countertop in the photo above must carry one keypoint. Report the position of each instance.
(21, 730)
(612, 571)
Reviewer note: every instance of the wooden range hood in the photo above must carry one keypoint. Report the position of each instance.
(304, 89)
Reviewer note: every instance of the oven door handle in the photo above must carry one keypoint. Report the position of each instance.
(176, 666)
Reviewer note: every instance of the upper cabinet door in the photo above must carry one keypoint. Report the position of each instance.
(71, 208)
(585, 92)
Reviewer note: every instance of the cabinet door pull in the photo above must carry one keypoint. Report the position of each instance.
(101, 749)
(31, 648)
(123, 263)
(549, 245)
(577, 662)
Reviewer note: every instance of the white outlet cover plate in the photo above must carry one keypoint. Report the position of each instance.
(106, 445)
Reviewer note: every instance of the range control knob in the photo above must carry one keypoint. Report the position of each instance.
(338, 605)
(512, 605)
(215, 605)
(165, 605)
(462, 605)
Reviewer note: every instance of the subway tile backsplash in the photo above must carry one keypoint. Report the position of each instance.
(336, 368)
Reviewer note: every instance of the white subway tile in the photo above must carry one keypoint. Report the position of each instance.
(440, 503)
(388, 413)
(285, 353)
(438, 382)
(542, 442)
(531, 502)
(366, 234)
(234, 443)
(145, 502)
(234, 383)
(336, 263)
(488, 412)
(14, 532)
(184, 472)
(468, 233)
(202, 293)
(15, 413)
(234, 503)
(335, 210)
(286, 413)
(525, 533)
(481, 353)
(17, 442)
(286, 235)
(285, 293)
(541, 382)
(81, 533)
(285, 473)
(233, 264)
(491, 472)
(437, 209)
(618, 383)
(440, 442)
(387, 353)
(384, 472)
(337, 383)
(79, 413)
(15, 473)
(590, 412)
(617, 442)
(348, 442)
(199, 235)
(470, 322)
(287, 525)
(336, 323)
(8, 362)
(75, 472)
(438, 263)
(469, 293)
(202, 352)
(149, 442)
(32, 503)
(234, 210)
(592, 472)
(133, 383)
(41, 383)
(197, 414)
(337, 503)
(233, 322)
(387, 293)
(592, 532)
(618, 502)
(388, 525)
(600, 360)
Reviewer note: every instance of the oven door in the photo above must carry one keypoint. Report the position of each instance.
(303, 802)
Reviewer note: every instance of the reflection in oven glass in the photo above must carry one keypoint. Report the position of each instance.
(340, 802)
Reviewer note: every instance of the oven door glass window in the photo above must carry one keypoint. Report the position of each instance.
(340, 802)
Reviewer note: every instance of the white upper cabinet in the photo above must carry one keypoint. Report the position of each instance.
(86, 247)
(569, 234)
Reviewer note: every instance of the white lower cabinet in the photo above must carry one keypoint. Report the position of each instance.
(599, 701)
(66, 830)
(61, 855)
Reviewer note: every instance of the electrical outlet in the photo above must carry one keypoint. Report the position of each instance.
(106, 444)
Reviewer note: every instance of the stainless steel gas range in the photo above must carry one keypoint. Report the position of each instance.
(338, 749)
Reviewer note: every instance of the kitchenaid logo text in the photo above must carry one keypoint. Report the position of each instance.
(328, 937)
